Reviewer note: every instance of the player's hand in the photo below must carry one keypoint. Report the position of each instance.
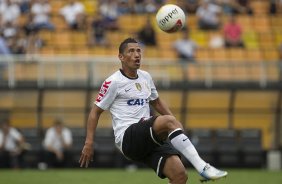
(86, 155)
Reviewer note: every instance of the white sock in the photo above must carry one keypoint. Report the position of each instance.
(182, 143)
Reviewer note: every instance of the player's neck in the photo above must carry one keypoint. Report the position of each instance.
(129, 74)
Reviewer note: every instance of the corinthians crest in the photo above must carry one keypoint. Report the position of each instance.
(138, 86)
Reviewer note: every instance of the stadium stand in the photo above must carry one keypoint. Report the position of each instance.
(250, 147)
(227, 147)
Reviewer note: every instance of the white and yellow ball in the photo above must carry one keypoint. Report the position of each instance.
(170, 18)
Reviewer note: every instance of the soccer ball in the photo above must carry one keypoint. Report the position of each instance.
(170, 18)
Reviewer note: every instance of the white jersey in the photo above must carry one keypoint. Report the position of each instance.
(127, 99)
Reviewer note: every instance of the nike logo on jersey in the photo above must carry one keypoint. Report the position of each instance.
(185, 139)
(126, 90)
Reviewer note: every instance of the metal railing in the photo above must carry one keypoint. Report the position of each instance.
(84, 71)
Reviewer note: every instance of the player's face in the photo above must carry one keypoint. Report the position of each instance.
(131, 57)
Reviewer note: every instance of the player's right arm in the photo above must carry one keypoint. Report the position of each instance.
(103, 101)
(88, 149)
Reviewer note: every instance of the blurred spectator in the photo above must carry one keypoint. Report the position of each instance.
(208, 16)
(138, 6)
(74, 14)
(227, 6)
(40, 11)
(9, 12)
(147, 35)
(216, 41)
(124, 7)
(242, 7)
(185, 47)
(109, 11)
(29, 41)
(4, 53)
(233, 33)
(57, 143)
(10, 32)
(4, 49)
(24, 5)
(12, 146)
(190, 6)
(97, 31)
(146, 6)
(275, 7)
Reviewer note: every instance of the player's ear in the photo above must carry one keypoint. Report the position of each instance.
(120, 56)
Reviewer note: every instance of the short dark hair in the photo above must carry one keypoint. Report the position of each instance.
(123, 44)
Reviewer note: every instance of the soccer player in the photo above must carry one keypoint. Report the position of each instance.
(140, 137)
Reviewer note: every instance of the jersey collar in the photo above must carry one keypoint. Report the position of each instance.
(122, 72)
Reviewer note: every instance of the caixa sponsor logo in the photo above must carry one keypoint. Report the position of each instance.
(168, 16)
(137, 102)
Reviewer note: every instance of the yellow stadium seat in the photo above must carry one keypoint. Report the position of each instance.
(63, 50)
(62, 39)
(236, 54)
(245, 22)
(59, 23)
(63, 99)
(79, 38)
(70, 119)
(18, 99)
(250, 39)
(192, 22)
(47, 50)
(131, 23)
(24, 119)
(151, 52)
(261, 118)
(266, 40)
(254, 55)
(270, 54)
(220, 54)
(82, 50)
(260, 7)
(203, 54)
(206, 120)
(261, 23)
(276, 23)
(278, 38)
(173, 98)
(45, 35)
(90, 6)
(98, 51)
(261, 121)
(208, 99)
(217, 101)
(56, 6)
(200, 37)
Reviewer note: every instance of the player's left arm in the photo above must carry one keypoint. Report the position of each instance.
(161, 107)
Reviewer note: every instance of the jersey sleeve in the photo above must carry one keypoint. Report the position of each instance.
(106, 95)
(154, 92)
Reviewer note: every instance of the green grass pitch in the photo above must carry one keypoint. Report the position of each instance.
(144, 176)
